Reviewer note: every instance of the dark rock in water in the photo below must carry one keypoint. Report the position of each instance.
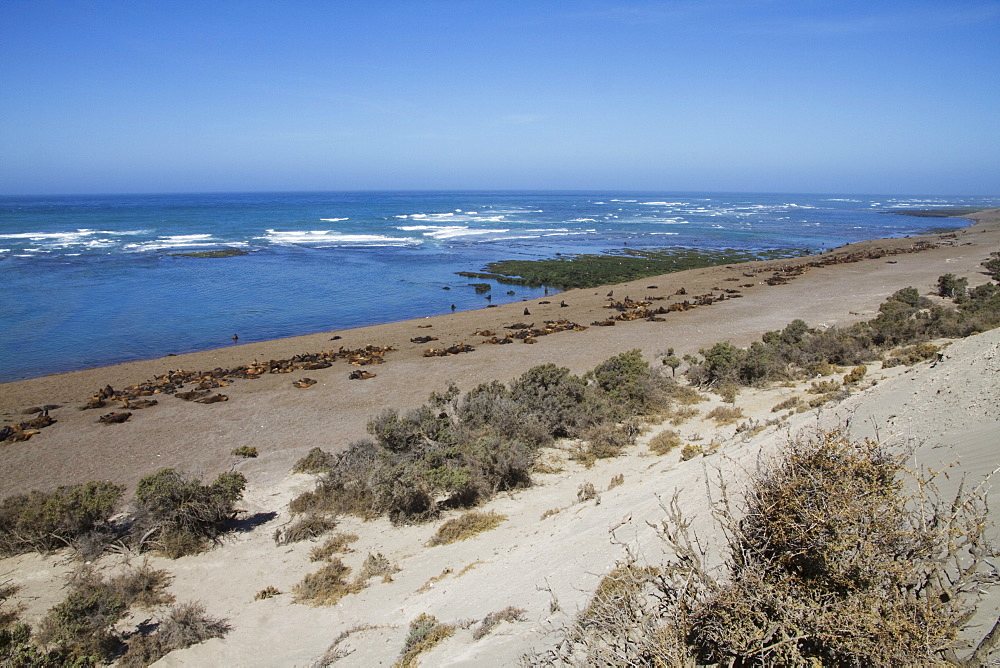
(225, 252)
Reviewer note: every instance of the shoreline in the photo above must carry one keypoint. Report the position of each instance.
(284, 422)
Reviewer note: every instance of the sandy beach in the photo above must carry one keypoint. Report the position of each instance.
(527, 562)
(284, 422)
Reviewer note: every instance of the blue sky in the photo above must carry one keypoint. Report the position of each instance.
(767, 95)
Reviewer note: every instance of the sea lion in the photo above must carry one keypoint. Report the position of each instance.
(191, 395)
(212, 399)
(360, 375)
(114, 418)
(235, 338)
(527, 312)
(304, 383)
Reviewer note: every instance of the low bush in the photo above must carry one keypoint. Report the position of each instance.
(245, 451)
(664, 442)
(315, 461)
(834, 558)
(992, 266)
(305, 528)
(602, 441)
(42, 522)
(183, 514)
(466, 526)
(791, 402)
(616, 481)
(336, 544)
(425, 633)
(184, 625)
(856, 375)
(951, 286)
(490, 621)
(586, 492)
(326, 586)
(376, 565)
(690, 451)
(266, 593)
(81, 628)
(725, 414)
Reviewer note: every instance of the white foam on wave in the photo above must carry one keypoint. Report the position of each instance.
(582, 220)
(660, 203)
(625, 200)
(667, 221)
(333, 238)
(333, 220)
(664, 233)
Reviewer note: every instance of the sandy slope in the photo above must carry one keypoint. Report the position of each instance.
(547, 566)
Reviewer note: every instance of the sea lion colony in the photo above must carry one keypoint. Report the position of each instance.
(173, 382)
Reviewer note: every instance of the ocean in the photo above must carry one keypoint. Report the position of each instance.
(97, 280)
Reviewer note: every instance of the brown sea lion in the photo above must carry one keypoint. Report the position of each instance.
(212, 399)
(114, 418)
(304, 383)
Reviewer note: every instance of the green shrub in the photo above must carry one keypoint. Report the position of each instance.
(552, 396)
(631, 386)
(42, 522)
(245, 451)
(315, 461)
(81, 628)
(466, 526)
(949, 285)
(992, 266)
(184, 514)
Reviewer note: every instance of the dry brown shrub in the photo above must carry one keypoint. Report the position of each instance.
(681, 415)
(312, 525)
(490, 621)
(266, 593)
(326, 586)
(919, 352)
(834, 558)
(725, 414)
(466, 526)
(664, 442)
(550, 512)
(315, 461)
(183, 626)
(823, 387)
(425, 632)
(603, 441)
(586, 492)
(616, 481)
(791, 402)
(338, 543)
(856, 375)
(690, 451)
(376, 565)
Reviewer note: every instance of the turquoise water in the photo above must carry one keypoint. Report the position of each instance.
(95, 280)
